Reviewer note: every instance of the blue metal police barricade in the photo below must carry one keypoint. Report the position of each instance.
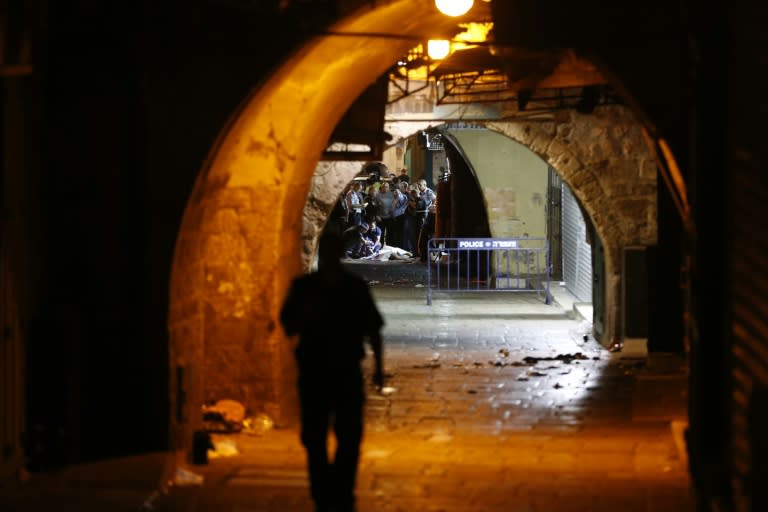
(508, 265)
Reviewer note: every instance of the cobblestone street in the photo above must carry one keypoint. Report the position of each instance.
(493, 403)
(497, 404)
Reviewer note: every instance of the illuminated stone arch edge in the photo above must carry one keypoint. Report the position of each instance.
(239, 244)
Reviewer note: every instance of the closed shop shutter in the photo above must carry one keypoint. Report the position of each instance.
(749, 285)
(577, 253)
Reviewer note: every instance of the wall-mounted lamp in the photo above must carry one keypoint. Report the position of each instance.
(454, 7)
(438, 48)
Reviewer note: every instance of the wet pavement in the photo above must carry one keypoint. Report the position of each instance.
(493, 403)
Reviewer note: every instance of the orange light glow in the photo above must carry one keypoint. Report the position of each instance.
(438, 48)
(454, 7)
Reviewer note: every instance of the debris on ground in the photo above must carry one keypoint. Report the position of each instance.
(500, 363)
(566, 358)
(224, 416)
(258, 425)
(184, 477)
(223, 448)
(387, 390)
(427, 366)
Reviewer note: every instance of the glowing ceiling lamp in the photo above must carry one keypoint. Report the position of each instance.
(454, 7)
(438, 48)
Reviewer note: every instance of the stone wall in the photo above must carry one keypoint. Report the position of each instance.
(329, 180)
(513, 180)
(606, 161)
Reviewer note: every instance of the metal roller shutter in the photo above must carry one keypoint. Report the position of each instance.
(577, 253)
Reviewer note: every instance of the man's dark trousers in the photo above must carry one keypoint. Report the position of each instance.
(332, 397)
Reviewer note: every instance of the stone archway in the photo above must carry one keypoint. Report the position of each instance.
(606, 161)
(239, 243)
(603, 157)
(240, 240)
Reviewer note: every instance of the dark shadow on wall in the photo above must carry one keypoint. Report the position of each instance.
(128, 103)
(468, 216)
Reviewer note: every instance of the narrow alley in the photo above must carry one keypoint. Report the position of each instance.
(493, 403)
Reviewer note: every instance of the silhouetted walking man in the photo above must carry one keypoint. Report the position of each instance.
(332, 311)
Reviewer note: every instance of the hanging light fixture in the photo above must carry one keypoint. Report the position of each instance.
(438, 48)
(454, 7)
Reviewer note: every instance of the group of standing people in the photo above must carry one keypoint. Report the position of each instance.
(388, 212)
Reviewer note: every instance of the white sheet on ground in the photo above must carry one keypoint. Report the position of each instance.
(389, 252)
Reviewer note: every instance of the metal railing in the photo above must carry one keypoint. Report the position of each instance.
(509, 265)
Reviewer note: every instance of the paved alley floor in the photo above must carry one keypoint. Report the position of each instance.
(493, 403)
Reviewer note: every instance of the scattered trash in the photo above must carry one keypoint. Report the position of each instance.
(223, 448)
(258, 424)
(373, 283)
(419, 286)
(427, 366)
(585, 329)
(566, 358)
(504, 352)
(185, 477)
(224, 416)
(387, 390)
